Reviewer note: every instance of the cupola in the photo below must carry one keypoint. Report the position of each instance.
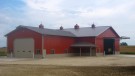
(93, 25)
(61, 28)
(41, 26)
(76, 26)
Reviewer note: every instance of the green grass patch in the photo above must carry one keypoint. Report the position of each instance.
(130, 53)
(3, 53)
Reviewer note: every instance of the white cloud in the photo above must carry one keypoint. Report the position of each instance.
(102, 12)
(49, 5)
(46, 11)
(90, 12)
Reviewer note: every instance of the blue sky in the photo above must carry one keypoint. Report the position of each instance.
(119, 14)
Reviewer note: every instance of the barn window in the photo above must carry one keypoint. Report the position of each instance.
(52, 51)
(38, 51)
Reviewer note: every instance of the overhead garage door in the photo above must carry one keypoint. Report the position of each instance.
(24, 48)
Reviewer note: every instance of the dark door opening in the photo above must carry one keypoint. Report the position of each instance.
(85, 51)
(109, 46)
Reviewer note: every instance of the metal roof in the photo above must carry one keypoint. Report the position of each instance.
(83, 44)
(70, 32)
(50, 31)
(88, 31)
(124, 37)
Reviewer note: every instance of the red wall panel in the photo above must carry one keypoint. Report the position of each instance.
(99, 45)
(108, 33)
(58, 43)
(24, 33)
(117, 46)
(86, 39)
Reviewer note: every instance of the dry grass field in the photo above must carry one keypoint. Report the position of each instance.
(48, 70)
(127, 49)
(3, 51)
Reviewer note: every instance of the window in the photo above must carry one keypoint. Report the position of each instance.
(38, 51)
(52, 51)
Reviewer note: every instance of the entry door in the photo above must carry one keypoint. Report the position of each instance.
(109, 46)
(24, 48)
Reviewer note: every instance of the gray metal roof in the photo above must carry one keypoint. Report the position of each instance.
(88, 31)
(70, 32)
(83, 44)
(50, 31)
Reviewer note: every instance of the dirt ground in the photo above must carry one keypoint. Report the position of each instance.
(46, 70)
(116, 60)
(118, 65)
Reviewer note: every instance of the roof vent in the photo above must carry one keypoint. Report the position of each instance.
(41, 26)
(61, 28)
(76, 26)
(93, 25)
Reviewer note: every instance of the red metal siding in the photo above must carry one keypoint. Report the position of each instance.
(24, 33)
(58, 43)
(99, 45)
(107, 34)
(86, 39)
(117, 46)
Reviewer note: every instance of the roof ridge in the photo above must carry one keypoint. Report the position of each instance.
(63, 29)
(89, 27)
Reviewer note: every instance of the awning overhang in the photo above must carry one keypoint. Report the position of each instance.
(83, 44)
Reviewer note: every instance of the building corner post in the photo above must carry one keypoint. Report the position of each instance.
(43, 51)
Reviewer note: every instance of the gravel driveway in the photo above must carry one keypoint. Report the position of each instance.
(115, 60)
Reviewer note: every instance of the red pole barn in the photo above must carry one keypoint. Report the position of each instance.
(40, 42)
